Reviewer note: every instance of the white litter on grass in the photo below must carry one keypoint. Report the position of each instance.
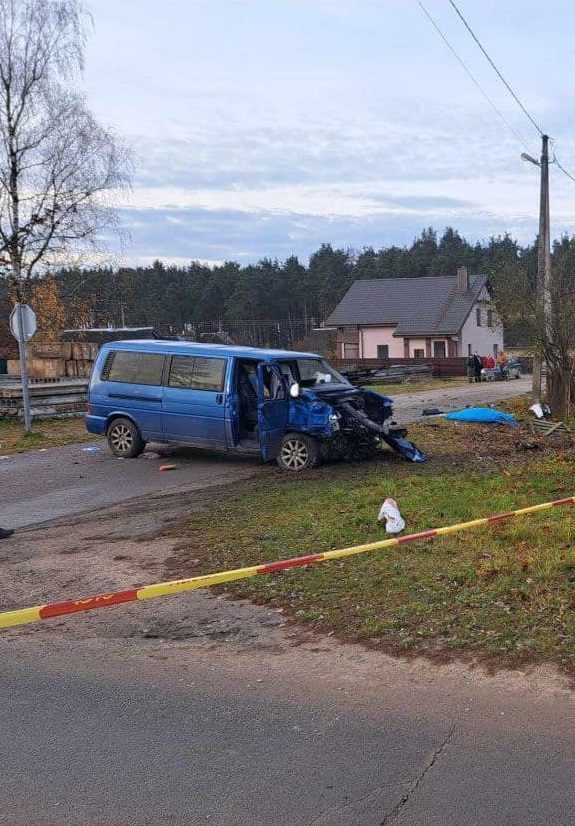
(394, 521)
(540, 410)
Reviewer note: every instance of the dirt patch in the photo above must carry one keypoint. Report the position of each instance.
(76, 558)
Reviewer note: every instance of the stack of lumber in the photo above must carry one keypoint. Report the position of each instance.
(58, 359)
(64, 397)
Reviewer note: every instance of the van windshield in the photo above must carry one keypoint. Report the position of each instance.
(311, 373)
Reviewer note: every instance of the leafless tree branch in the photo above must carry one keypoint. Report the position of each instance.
(58, 166)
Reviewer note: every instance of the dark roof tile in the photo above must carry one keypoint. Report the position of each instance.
(418, 306)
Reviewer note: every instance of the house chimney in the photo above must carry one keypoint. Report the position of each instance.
(462, 280)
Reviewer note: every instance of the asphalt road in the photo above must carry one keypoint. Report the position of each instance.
(408, 406)
(39, 486)
(111, 744)
(42, 485)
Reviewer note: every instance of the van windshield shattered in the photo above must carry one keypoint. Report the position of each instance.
(311, 373)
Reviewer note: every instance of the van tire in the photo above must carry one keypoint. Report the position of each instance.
(124, 439)
(298, 452)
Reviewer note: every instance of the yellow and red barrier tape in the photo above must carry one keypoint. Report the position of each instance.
(22, 616)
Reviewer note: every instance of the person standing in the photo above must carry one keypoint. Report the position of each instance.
(478, 364)
(470, 364)
(489, 362)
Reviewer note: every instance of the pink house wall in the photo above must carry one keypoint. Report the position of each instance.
(370, 337)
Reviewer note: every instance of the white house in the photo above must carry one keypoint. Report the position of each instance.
(435, 317)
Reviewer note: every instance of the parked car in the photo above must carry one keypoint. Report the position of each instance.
(511, 370)
(288, 406)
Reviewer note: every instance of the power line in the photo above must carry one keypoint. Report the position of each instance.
(562, 168)
(472, 77)
(495, 68)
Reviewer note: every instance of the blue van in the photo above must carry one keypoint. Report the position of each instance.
(288, 406)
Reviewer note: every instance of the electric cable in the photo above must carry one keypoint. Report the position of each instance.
(495, 68)
(472, 77)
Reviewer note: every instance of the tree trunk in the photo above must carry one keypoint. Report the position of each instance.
(560, 391)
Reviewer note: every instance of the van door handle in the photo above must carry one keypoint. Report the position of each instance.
(220, 398)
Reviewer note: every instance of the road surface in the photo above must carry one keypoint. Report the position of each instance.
(408, 406)
(44, 485)
(321, 736)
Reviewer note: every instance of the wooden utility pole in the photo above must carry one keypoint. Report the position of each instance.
(543, 268)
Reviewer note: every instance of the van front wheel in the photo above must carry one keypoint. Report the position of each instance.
(298, 452)
(124, 439)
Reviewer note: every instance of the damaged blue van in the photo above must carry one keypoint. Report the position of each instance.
(288, 406)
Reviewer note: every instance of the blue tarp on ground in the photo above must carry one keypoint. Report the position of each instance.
(481, 415)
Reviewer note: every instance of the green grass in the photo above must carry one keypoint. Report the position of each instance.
(505, 592)
(45, 433)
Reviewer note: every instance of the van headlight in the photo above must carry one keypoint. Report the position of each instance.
(334, 420)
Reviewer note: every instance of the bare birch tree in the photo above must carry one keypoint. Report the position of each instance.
(59, 168)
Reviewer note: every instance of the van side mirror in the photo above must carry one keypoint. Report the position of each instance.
(294, 390)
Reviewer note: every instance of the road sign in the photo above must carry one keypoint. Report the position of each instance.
(28, 321)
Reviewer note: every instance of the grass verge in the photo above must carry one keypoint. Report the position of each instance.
(45, 433)
(505, 594)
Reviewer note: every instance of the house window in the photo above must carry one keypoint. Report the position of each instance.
(438, 349)
(469, 350)
(383, 351)
(478, 316)
(350, 351)
(419, 354)
(490, 318)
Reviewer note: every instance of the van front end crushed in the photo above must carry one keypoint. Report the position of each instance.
(351, 424)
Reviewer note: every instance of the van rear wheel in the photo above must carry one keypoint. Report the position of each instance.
(124, 439)
(298, 452)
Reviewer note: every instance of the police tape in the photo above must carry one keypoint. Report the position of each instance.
(22, 616)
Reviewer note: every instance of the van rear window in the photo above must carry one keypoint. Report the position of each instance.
(197, 373)
(133, 368)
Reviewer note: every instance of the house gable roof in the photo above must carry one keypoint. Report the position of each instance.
(416, 306)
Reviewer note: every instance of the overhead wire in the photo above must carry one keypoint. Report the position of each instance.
(472, 76)
(495, 68)
(499, 75)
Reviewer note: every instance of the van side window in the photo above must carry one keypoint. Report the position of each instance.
(197, 373)
(133, 368)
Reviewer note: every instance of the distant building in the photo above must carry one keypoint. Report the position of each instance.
(435, 317)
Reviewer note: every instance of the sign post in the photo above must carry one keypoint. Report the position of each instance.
(23, 326)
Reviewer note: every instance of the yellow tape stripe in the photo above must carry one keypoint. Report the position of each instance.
(177, 586)
(20, 617)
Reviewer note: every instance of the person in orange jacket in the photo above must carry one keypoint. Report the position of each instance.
(502, 359)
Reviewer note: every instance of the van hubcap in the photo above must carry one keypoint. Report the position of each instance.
(121, 438)
(294, 454)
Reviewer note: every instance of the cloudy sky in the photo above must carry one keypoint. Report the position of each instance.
(266, 127)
